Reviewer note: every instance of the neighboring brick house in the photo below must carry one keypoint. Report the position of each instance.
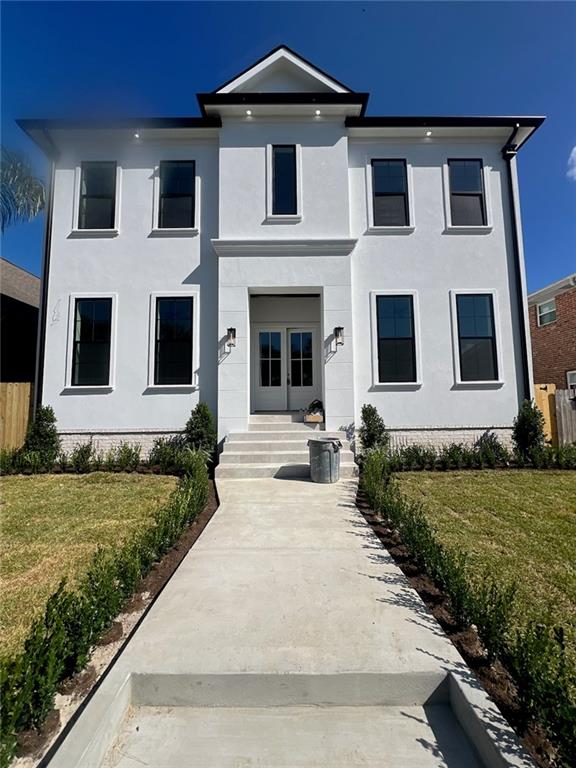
(19, 300)
(552, 313)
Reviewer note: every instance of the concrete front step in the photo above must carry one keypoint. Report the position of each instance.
(272, 446)
(292, 426)
(251, 471)
(277, 418)
(291, 435)
(277, 457)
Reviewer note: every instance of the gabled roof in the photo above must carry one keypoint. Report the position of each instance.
(282, 70)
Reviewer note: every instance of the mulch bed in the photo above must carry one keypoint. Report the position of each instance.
(33, 742)
(494, 677)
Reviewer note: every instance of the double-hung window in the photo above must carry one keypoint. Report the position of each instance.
(177, 194)
(390, 193)
(91, 342)
(396, 339)
(173, 341)
(467, 198)
(284, 180)
(97, 204)
(476, 337)
(547, 312)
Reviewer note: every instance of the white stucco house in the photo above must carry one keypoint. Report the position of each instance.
(279, 248)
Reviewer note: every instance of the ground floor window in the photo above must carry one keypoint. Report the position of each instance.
(91, 345)
(173, 340)
(476, 337)
(396, 339)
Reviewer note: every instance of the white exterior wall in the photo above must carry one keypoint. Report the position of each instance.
(133, 265)
(232, 173)
(432, 262)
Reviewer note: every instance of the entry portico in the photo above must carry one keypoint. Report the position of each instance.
(284, 311)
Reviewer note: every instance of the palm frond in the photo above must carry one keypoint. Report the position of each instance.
(22, 194)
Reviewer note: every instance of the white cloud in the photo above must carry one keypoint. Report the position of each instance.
(571, 172)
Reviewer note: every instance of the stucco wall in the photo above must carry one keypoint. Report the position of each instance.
(133, 265)
(432, 262)
(232, 173)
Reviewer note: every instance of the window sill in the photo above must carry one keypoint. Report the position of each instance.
(461, 230)
(87, 390)
(396, 385)
(292, 218)
(174, 232)
(79, 233)
(390, 230)
(158, 389)
(478, 384)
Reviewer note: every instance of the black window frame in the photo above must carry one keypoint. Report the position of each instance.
(77, 343)
(275, 211)
(156, 376)
(481, 194)
(414, 380)
(405, 194)
(172, 195)
(83, 197)
(493, 338)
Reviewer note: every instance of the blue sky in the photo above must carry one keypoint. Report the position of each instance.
(148, 58)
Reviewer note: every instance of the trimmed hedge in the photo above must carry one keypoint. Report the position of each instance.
(59, 642)
(486, 454)
(537, 655)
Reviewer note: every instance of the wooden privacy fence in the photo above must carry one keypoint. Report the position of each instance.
(565, 416)
(15, 410)
(559, 412)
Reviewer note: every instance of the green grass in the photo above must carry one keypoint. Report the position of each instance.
(519, 524)
(50, 527)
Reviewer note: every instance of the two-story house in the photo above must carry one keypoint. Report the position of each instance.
(280, 248)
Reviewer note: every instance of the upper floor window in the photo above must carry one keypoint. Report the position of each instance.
(97, 208)
(476, 337)
(173, 341)
(546, 312)
(390, 193)
(177, 194)
(91, 345)
(284, 180)
(467, 203)
(396, 339)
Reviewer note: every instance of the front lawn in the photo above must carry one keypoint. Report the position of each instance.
(520, 524)
(52, 524)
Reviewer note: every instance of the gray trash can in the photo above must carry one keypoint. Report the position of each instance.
(324, 459)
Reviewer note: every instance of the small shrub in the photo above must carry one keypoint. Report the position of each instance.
(490, 450)
(128, 457)
(109, 462)
(31, 462)
(200, 432)
(9, 460)
(81, 458)
(566, 456)
(63, 461)
(372, 432)
(528, 430)
(42, 436)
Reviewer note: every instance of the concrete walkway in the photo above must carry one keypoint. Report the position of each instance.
(288, 637)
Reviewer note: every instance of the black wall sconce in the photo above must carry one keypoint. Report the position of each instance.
(339, 335)
(231, 337)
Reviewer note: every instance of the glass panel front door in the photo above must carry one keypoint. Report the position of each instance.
(303, 375)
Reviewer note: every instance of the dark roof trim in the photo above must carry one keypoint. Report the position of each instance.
(39, 130)
(270, 53)
(224, 99)
(439, 121)
(128, 122)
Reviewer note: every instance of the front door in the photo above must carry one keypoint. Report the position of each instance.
(285, 368)
(303, 373)
(269, 385)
